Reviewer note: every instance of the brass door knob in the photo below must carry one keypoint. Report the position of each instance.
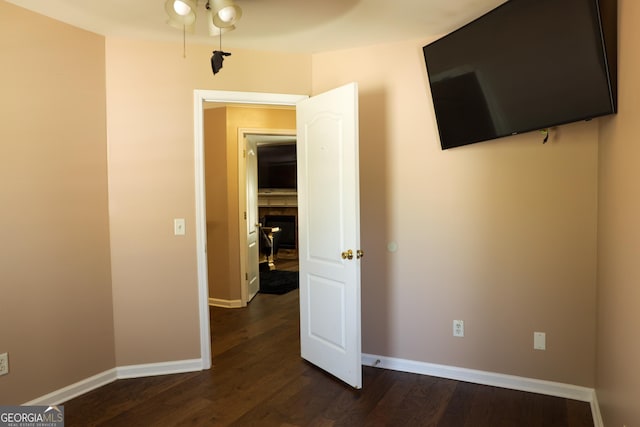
(347, 254)
(359, 253)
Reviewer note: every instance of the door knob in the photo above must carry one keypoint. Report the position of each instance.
(359, 253)
(347, 254)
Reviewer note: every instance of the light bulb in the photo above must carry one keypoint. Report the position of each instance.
(227, 14)
(181, 8)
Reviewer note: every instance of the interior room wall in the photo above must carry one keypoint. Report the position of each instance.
(500, 234)
(618, 376)
(151, 182)
(56, 320)
(215, 171)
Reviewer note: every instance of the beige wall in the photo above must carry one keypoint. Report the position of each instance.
(501, 234)
(618, 376)
(55, 284)
(151, 181)
(215, 165)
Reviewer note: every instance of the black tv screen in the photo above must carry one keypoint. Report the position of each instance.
(526, 65)
(277, 167)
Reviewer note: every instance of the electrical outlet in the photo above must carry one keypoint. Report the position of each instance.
(458, 328)
(4, 363)
(539, 341)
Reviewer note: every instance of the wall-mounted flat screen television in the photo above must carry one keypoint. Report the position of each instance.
(526, 65)
(277, 167)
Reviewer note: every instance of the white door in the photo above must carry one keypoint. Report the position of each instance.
(253, 231)
(329, 232)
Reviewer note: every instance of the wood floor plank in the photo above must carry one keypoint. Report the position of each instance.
(259, 379)
(428, 400)
(390, 410)
(458, 409)
(294, 404)
(351, 407)
(495, 407)
(579, 414)
(118, 397)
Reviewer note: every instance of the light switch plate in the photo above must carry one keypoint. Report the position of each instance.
(178, 227)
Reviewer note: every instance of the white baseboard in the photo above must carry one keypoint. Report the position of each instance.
(550, 388)
(74, 390)
(133, 371)
(532, 385)
(225, 303)
(162, 368)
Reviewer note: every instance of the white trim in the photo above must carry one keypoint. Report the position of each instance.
(162, 368)
(133, 371)
(550, 388)
(242, 218)
(225, 303)
(260, 98)
(199, 98)
(242, 200)
(450, 372)
(74, 390)
(595, 411)
(201, 232)
(532, 385)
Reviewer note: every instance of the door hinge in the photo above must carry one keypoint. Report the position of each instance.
(244, 153)
(245, 214)
(246, 276)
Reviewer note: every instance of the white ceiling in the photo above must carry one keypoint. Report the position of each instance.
(304, 26)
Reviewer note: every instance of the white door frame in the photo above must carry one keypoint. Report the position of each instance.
(227, 97)
(242, 199)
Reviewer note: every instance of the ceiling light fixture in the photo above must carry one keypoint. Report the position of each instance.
(225, 13)
(181, 8)
(221, 14)
(216, 31)
(182, 13)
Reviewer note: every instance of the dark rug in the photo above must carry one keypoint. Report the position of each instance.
(278, 282)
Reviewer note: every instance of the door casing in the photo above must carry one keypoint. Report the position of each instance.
(225, 97)
(242, 198)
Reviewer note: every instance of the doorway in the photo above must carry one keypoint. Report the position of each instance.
(267, 194)
(223, 97)
(233, 134)
(328, 194)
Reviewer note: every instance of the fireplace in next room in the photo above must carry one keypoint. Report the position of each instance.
(287, 239)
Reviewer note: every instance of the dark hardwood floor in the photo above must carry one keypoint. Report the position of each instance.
(286, 264)
(259, 379)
